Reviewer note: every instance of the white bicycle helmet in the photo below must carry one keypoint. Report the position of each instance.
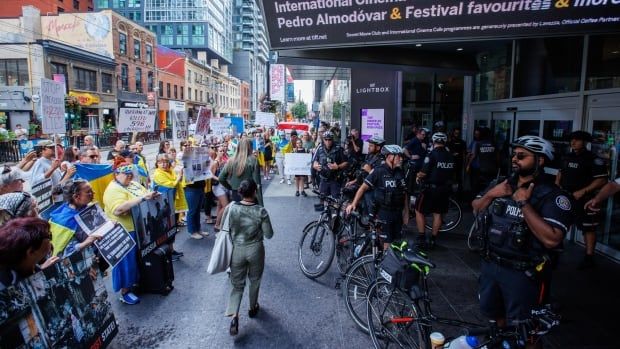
(536, 145)
(439, 137)
(376, 140)
(391, 149)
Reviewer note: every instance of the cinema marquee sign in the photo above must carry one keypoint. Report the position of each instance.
(325, 23)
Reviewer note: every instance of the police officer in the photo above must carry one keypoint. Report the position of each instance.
(390, 193)
(329, 161)
(415, 152)
(457, 146)
(437, 173)
(527, 217)
(483, 161)
(582, 173)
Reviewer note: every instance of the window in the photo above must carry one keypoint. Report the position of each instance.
(122, 43)
(124, 77)
(167, 35)
(85, 79)
(168, 90)
(183, 34)
(106, 83)
(119, 3)
(134, 3)
(76, 4)
(198, 34)
(161, 89)
(149, 54)
(189, 77)
(195, 95)
(201, 96)
(182, 90)
(14, 72)
(603, 62)
(61, 10)
(189, 92)
(101, 4)
(135, 16)
(136, 49)
(176, 92)
(60, 69)
(149, 81)
(138, 80)
(493, 80)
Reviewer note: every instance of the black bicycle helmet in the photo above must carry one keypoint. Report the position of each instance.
(536, 145)
(376, 140)
(391, 149)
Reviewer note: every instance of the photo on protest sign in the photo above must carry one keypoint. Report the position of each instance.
(136, 120)
(265, 119)
(42, 192)
(196, 164)
(64, 306)
(297, 164)
(154, 221)
(115, 243)
(203, 121)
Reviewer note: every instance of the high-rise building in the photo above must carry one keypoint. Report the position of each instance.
(200, 27)
(251, 53)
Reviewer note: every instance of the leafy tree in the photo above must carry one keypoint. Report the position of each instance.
(299, 110)
(336, 110)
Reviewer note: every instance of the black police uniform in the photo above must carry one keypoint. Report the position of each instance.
(515, 270)
(390, 191)
(414, 147)
(439, 169)
(330, 179)
(457, 148)
(487, 160)
(578, 171)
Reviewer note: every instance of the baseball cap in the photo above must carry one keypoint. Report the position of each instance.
(45, 143)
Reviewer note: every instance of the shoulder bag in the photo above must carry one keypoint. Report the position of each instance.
(222, 248)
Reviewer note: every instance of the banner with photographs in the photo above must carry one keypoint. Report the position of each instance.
(297, 164)
(64, 306)
(42, 191)
(154, 221)
(203, 121)
(115, 243)
(220, 126)
(196, 164)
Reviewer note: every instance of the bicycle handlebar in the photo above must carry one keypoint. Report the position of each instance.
(540, 323)
(325, 197)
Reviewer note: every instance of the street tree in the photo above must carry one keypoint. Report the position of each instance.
(299, 110)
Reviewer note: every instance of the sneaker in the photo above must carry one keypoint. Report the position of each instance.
(297, 193)
(282, 181)
(175, 258)
(196, 236)
(288, 181)
(177, 253)
(204, 233)
(303, 192)
(129, 298)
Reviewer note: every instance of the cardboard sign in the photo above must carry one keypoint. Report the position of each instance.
(154, 222)
(297, 164)
(196, 164)
(63, 306)
(136, 120)
(265, 119)
(52, 107)
(220, 126)
(42, 192)
(178, 114)
(203, 121)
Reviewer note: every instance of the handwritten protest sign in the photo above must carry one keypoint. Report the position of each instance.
(265, 119)
(220, 126)
(179, 120)
(203, 121)
(297, 164)
(52, 106)
(136, 120)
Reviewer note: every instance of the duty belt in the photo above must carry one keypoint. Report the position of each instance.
(511, 263)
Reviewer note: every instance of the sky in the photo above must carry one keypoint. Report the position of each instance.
(307, 91)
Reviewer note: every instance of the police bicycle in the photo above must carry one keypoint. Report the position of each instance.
(399, 310)
(449, 220)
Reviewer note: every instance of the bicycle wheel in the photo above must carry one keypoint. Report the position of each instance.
(361, 274)
(450, 219)
(316, 250)
(393, 318)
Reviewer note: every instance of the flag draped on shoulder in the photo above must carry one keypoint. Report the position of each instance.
(166, 181)
(62, 226)
(98, 175)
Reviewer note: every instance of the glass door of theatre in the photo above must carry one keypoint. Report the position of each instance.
(605, 125)
(502, 129)
(553, 126)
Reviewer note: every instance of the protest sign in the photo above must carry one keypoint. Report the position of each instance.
(52, 106)
(237, 125)
(136, 120)
(297, 164)
(179, 120)
(219, 126)
(265, 119)
(115, 243)
(203, 121)
(196, 164)
(64, 306)
(42, 192)
(154, 221)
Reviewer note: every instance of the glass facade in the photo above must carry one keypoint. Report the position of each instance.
(493, 80)
(603, 62)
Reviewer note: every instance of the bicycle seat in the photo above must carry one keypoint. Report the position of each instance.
(413, 257)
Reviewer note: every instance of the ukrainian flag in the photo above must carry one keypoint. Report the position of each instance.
(143, 170)
(98, 175)
(62, 226)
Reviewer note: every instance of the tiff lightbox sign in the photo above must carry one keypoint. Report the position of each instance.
(331, 23)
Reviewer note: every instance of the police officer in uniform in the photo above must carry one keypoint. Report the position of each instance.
(329, 161)
(485, 154)
(526, 218)
(437, 173)
(390, 193)
(581, 174)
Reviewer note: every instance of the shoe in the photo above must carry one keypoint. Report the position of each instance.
(196, 236)
(587, 263)
(268, 178)
(254, 311)
(288, 181)
(177, 253)
(303, 192)
(204, 233)
(282, 181)
(129, 298)
(306, 186)
(297, 193)
(234, 326)
(216, 229)
(175, 258)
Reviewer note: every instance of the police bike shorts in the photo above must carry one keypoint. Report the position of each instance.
(330, 187)
(433, 201)
(586, 220)
(393, 228)
(508, 293)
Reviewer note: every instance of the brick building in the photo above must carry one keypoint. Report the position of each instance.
(13, 8)
(245, 100)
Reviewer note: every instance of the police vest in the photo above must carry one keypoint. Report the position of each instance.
(509, 236)
(487, 157)
(441, 167)
(325, 157)
(391, 191)
(577, 170)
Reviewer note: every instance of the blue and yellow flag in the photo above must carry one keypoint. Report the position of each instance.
(62, 226)
(165, 182)
(98, 175)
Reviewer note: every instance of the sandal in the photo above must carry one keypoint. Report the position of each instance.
(254, 311)
(234, 326)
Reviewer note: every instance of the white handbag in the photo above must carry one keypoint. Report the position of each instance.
(222, 248)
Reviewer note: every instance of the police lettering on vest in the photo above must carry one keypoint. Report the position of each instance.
(579, 170)
(439, 166)
(487, 157)
(389, 187)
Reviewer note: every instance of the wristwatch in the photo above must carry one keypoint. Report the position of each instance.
(521, 203)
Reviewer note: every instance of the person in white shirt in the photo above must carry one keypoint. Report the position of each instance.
(20, 133)
(47, 166)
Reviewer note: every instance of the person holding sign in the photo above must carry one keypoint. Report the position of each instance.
(67, 236)
(300, 180)
(119, 197)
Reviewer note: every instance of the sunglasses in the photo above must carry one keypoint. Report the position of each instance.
(519, 156)
(94, 156)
